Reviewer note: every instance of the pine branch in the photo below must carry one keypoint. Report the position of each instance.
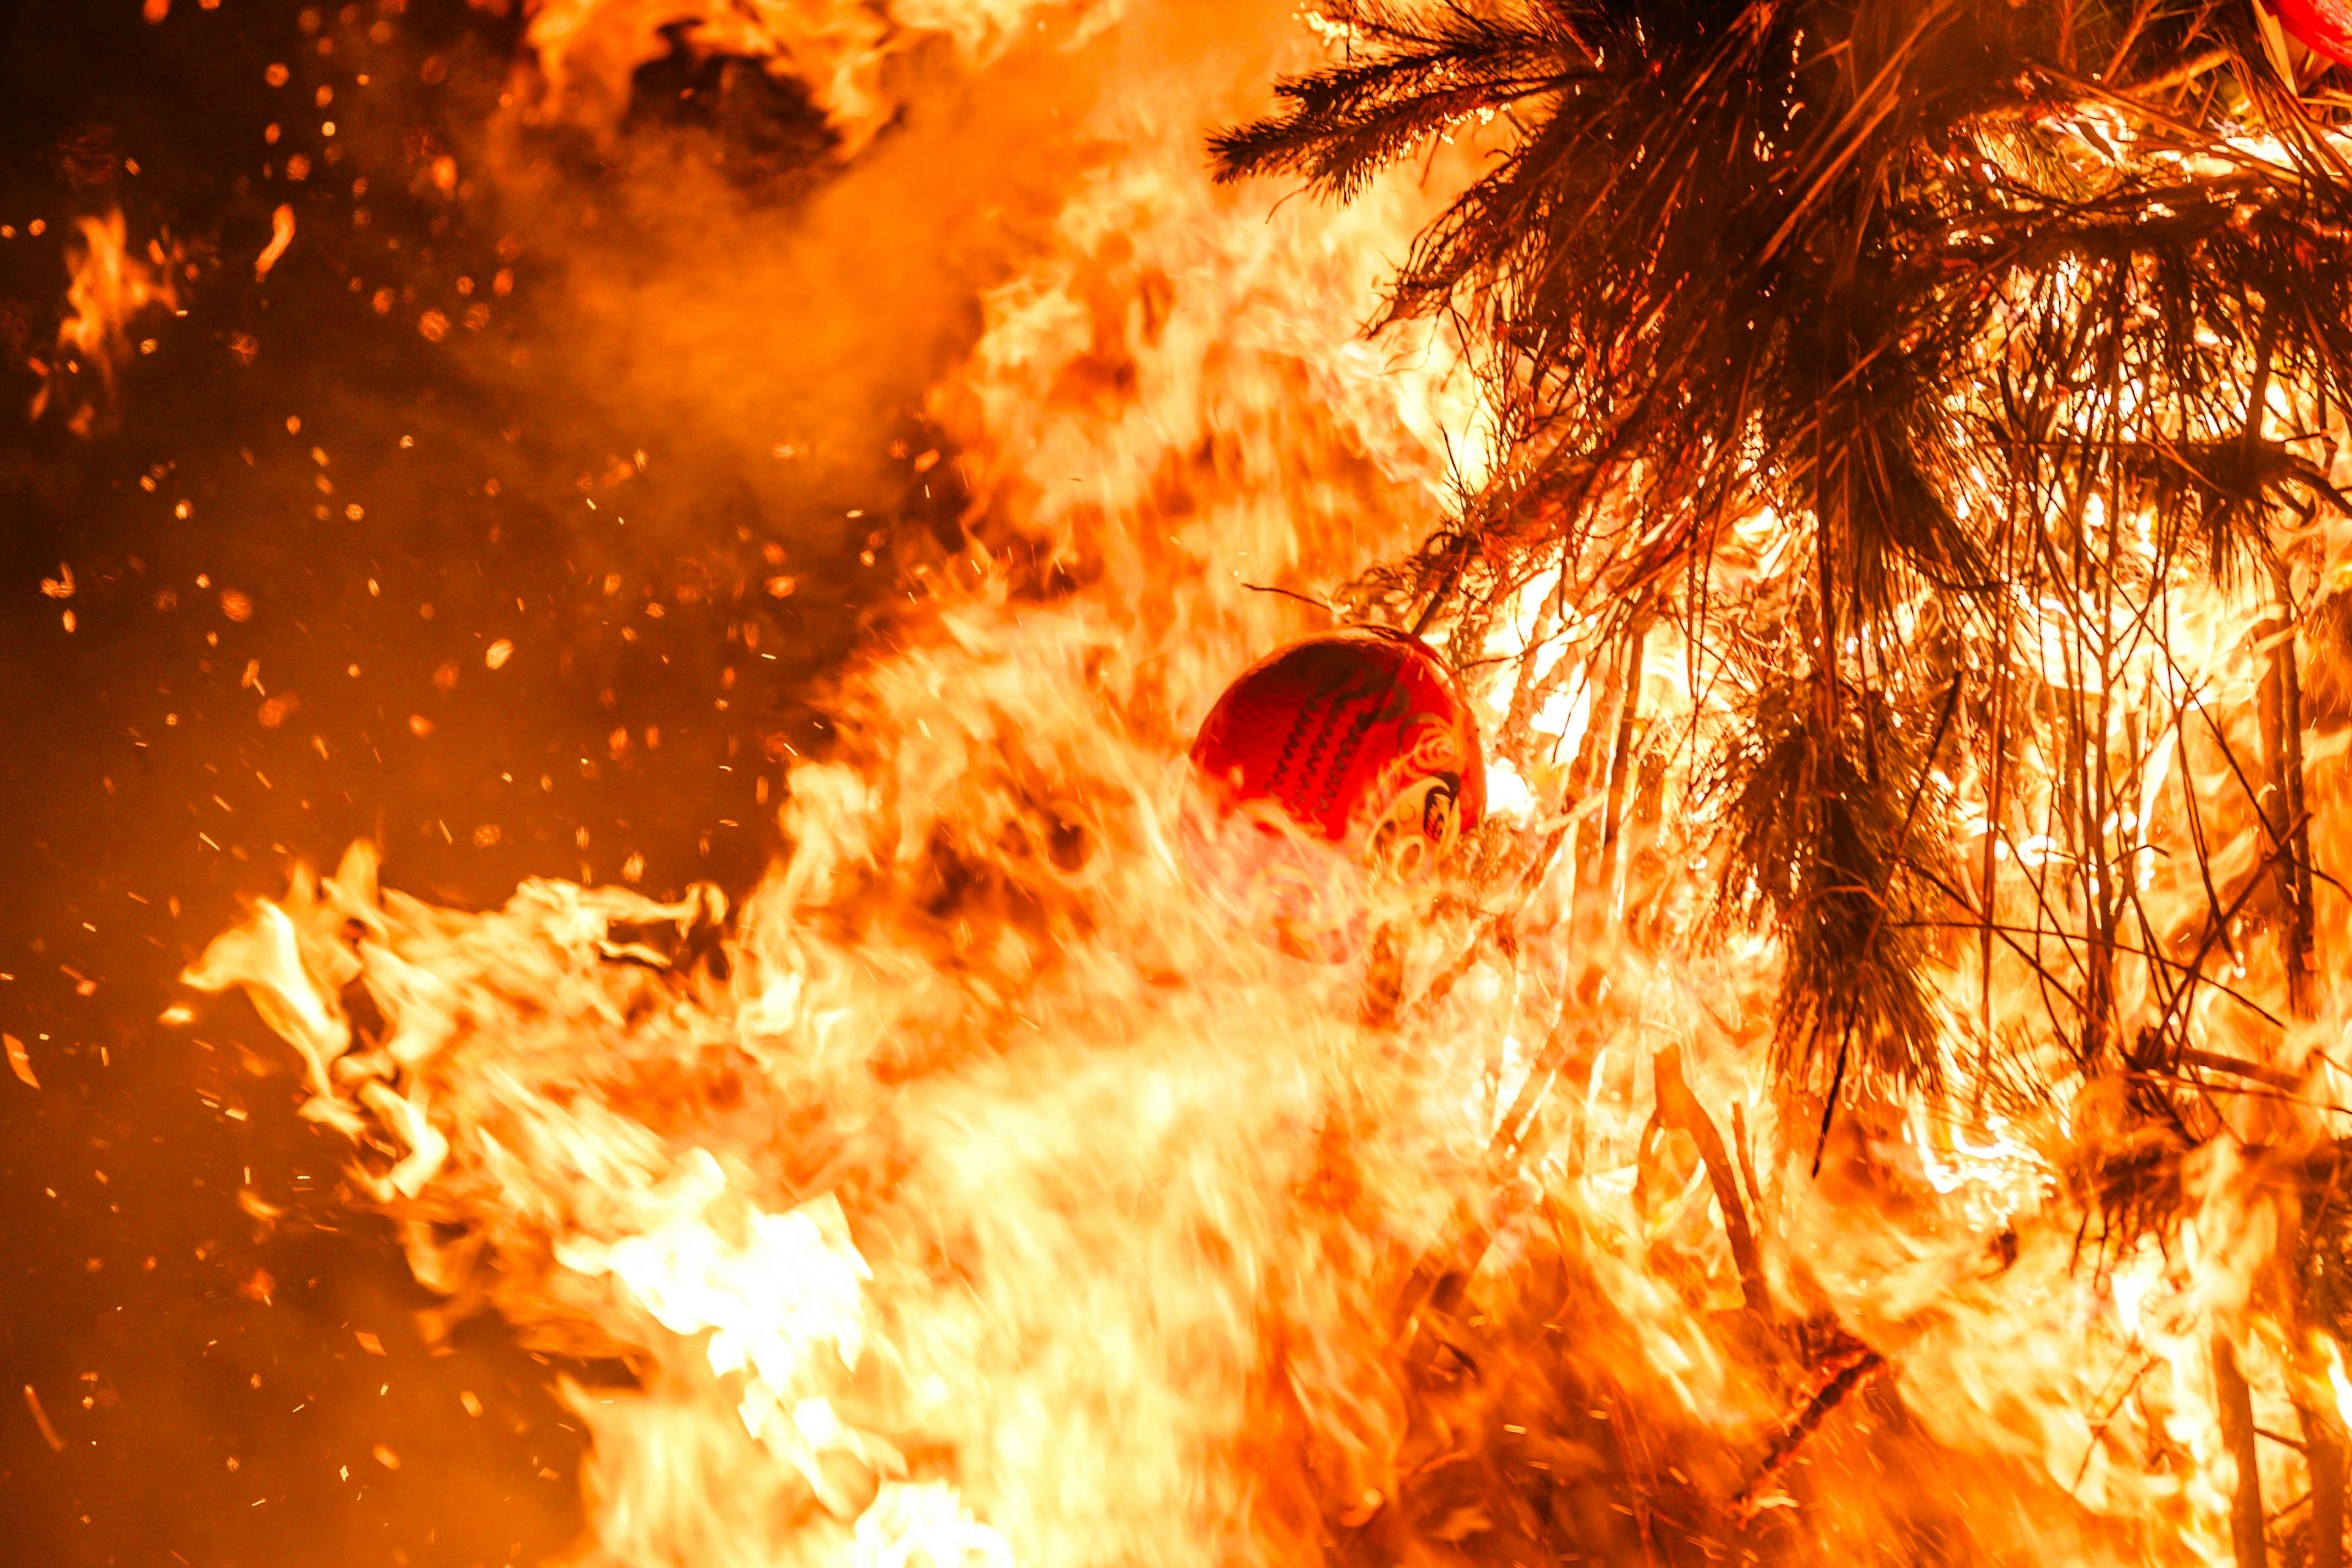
(1972, 300)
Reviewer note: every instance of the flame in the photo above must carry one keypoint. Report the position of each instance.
(281, 235)
(838, 50)
(111, 288)
(994, 1201)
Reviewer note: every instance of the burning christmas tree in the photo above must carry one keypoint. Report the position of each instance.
(1864, 1086)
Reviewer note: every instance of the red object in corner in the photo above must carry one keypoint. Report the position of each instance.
(1356, 743)
(2323, 26)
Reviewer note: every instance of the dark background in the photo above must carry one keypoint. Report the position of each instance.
(255, 673)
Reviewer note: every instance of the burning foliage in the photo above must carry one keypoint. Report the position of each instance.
(1866, 1089)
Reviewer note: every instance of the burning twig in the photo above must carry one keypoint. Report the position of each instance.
(1677, 1107)
(2213, 1061)
(2322, 1451)
(1438, 1278)
(1498, 928)
(1629, 718)
(2279, 702)
(1846, 1375)
(2237, 1412)
(281, 235)
(1739, 1146)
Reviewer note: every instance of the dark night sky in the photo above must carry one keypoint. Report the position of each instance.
(199, 1362)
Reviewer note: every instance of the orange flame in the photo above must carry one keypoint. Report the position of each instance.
(839, 51)
(111, 288)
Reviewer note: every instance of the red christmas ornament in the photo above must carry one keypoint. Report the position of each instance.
(1343, 768)
(2323, 26)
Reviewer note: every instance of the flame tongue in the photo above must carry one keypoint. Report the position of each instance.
(114, 288)
(1072, 1225)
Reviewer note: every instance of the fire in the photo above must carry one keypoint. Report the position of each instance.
(113, 287)
(839, 51)
(987, 1198)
